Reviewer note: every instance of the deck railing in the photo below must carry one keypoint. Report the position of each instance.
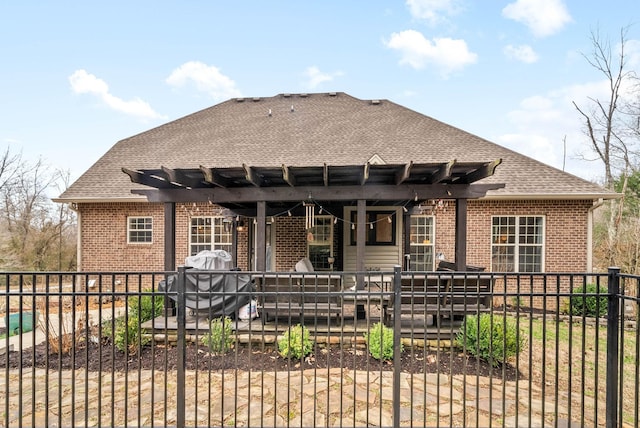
(139, 349)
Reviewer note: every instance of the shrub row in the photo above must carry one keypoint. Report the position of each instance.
(494, 339)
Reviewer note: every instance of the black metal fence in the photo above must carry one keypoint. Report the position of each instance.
(196, 348)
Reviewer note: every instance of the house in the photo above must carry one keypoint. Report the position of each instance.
(275, 179)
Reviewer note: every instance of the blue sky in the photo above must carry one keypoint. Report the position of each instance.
(76, 77)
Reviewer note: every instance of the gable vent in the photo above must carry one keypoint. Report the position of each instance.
(376, 160)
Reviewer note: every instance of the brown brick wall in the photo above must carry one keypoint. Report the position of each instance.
(291, 242)
(104, 235)
(565, 245)
(105, 247)
(565, 231)
(103, 228)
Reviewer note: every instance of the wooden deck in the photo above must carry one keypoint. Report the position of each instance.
(431, 306)
(323, 326)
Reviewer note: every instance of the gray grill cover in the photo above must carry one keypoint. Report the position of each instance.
(211, 291)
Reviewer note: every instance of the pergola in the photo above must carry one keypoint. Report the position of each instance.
(258, 192)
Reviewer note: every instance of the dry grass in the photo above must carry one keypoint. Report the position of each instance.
(62, 335)
(569, 361)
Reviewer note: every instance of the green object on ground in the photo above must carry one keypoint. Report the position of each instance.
(13, 322)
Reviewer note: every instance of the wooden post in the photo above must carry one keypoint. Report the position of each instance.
(461, 235)
(169, 250)
(169, 236)
(361, 239)
(261, 237)
(406, 255)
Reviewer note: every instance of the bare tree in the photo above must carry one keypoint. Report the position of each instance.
(66, 227)
(605, 120)
(607, 124)
(8, 166)
(38, 234)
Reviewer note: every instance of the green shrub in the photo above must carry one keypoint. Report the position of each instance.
(128, 335)
(295, 342)
(591, 306)
(494, 339)
(220, 338)
(146, 307)
(565, 306)
(380, 342)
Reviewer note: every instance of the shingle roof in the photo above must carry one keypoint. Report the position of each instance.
(312, 130)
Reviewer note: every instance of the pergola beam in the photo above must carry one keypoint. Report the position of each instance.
(382, 192)
(288, 176)
(365, 174)
(179, 178)
(325, 175)
(213, 177)
(444, 172)
(252, 176)
(404, 173)
(149, 180)
(486, 171)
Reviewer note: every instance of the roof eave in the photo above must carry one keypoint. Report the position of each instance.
(511, 196)
(92, 200)
(553, 196)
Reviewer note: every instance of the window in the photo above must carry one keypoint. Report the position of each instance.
(139, 230)
(209, 233)
(421, 243)
(517, 244)
(320, 243)
(381, 227)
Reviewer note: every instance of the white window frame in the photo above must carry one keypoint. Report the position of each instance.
(516, 244)
(132, 229)
(213, 233)
(313, 241)
(422, 244)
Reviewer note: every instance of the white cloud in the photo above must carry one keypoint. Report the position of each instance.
(432, 10)
(206, 78)
(535, 146)
(83, 82)
(543, 124)
(632, 52)
(316, 77)
(446, 54)
(522, 53)
(543, 17)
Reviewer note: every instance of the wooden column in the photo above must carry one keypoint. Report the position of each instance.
(234, 243)
(361, 239)
(461, 235)
(406, 227)
(261, 237)
(169, 250)
(169, 236)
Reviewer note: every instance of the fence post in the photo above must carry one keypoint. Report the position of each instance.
(613, 315)
(181, 319)
(397, 330)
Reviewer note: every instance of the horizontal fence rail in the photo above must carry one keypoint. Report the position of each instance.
(374, 348)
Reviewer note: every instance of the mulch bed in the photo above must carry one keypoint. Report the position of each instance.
(103, 356)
